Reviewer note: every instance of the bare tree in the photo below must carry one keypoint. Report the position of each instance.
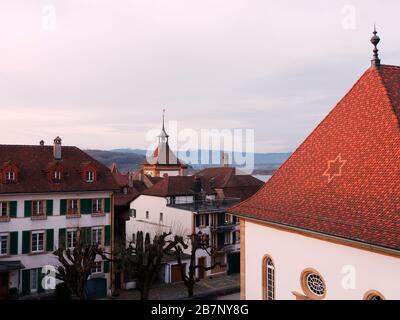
(142, 261)
(76, 264)
(196, 242)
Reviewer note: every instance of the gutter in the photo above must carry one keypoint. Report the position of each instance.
(364, 245)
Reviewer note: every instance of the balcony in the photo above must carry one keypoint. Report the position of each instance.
(206, 206)
(227, 226)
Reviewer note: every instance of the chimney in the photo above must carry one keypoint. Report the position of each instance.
(57, 148)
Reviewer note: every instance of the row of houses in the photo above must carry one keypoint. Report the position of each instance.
(48, 193)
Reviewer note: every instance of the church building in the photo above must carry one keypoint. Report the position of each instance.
(326, 225)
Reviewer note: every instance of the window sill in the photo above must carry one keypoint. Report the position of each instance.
(73, 216)
(37, 253)
(98, 214)
(5, 219)
(38, 217)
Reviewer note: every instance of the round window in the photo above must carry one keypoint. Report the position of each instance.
(313, 284)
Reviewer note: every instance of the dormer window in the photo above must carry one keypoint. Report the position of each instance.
(89, 176)
(57, 176)
(89, 172)
(9, 173)
(10, 176)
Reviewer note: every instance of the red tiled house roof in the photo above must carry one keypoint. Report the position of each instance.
(175, 186)
(357, 196)
(233, 183)
(33, 163)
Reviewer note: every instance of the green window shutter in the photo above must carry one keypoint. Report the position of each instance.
(107, 235)
(49, 207)
(106, 266)
(86, 206)
(26, 241)
(40, 279)
(13, 209)
(197, 220)
(26, 282)
(28, 208)
(49, 240)
(63, 207)
(107, 205)
(62, 234)
(14, 243)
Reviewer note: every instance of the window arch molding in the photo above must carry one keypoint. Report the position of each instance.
(268, 278)
(319, 281)
(373, 295)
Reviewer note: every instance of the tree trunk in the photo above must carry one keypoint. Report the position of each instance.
(190, 289)
(144, 293)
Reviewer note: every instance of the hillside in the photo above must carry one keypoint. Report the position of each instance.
(124, 161)
(131, 159)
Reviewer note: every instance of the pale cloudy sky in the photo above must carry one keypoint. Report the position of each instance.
(101, 75)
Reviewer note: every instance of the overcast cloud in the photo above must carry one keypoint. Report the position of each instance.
(100, 76)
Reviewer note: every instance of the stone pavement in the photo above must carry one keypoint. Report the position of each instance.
(206, 289)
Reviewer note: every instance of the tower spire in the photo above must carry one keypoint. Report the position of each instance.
(163, 135)
(375, 62)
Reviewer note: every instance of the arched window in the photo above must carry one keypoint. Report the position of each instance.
(373, 295)
(268, 279)
(313, 284)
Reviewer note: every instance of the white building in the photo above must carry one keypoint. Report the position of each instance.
(46, 194)
(326, 225)
(190, 204)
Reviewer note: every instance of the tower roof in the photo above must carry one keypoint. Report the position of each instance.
(343, 180)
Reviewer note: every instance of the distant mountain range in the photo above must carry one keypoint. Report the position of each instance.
(131, 159)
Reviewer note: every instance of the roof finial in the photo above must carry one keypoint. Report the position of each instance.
(164, 134)
(375, 62)
(163, 116)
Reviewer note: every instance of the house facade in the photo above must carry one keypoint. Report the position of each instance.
(325, 226)
(190, 204)
(47, 193)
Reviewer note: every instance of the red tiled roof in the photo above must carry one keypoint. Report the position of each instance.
(33, 163)
(122, 199)
(344, 179)
(175, 186)
(233, 183)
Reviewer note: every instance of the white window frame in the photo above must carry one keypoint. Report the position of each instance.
(57, 175)
(36, 206)
(37, 233)
(74, 237)
(270, 279)
(5, 234)
(95, 235)
(94, 270)
(98, 204)
(10, 176)
(89, 176)
(7, 206)
(72, 207)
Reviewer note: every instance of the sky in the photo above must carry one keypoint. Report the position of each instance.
(98, 73)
